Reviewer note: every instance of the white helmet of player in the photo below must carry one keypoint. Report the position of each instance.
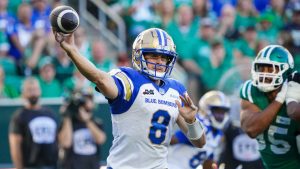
(279, 64)
(155, 41)
(216, 105)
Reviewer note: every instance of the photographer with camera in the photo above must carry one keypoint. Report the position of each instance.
(81, 134)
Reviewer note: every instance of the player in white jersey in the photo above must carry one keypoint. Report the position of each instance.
(214, 108)
(145, 103)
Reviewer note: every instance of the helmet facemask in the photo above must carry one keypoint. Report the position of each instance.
(218, 116)
(155, 73)
(217, 106)
(269, 81)
(271, 68)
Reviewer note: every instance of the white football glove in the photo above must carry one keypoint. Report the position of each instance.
(281, 95)
(293, 92)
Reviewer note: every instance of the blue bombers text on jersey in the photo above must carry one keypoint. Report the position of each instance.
(143, 117)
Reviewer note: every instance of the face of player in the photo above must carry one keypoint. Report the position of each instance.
(267, 68)
(219, 113)
(156, 59)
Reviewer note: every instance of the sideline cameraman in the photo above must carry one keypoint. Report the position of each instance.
(81, 134)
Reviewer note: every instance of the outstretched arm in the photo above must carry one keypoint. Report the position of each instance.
(188, 123)
(105, 83)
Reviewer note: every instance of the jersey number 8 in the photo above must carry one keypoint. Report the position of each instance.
(160, 121)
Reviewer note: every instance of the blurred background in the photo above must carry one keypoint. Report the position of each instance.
(216, 41)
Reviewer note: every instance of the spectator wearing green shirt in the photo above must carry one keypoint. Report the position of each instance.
(138, 15)
(6, 91)
(63, 65)
(202, 9)
(82, 42)
(246, 14)
(266, 30)
(183, 29)
(77, 82)
(165, 10)
(226, 26)
(49, 85)
(198, 48)
(99, 57)
(214, 66)
(245, 48)
(277, 10)
(12, 79)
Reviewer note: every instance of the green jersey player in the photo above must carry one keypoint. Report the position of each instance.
(264, 112)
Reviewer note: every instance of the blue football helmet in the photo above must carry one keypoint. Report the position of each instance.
(155, 41)
(280, 62)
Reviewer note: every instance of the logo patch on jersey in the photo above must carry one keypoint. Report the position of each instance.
(161, 91)
(43, 130)
(83, 142)
(148, 92)
(245, 148)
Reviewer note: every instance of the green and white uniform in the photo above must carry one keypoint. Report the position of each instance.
(277, 144)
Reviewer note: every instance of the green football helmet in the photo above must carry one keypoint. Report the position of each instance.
(271, 67)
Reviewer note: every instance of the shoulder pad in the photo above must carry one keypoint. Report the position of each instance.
(245, 91)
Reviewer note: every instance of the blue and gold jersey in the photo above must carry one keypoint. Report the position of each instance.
(143, 117)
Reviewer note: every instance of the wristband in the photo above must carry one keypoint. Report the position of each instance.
(195, 130)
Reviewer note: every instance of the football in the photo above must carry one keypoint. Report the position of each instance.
(64, 19)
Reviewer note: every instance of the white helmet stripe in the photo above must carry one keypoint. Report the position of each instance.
(249, 93)
(269, 52)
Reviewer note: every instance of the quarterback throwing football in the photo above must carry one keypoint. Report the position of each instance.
(145, 102)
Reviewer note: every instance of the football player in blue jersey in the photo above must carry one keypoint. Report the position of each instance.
(264, 113)
(145, 102)
(214, 114)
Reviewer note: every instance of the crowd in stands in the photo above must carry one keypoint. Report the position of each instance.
(212, 37)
